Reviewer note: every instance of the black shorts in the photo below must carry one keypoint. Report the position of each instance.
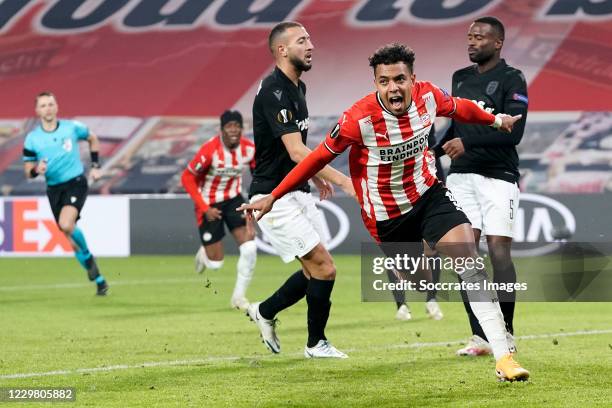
(213, 231)
(72, 192)
(430, 219)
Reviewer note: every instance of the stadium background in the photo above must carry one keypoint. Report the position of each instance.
(151, 77)
(152, 87)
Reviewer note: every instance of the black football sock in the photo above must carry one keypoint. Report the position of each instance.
(398, 295)
(507, 300)
(435, 277)
(504, 272)
(288, 294)
(318, 296)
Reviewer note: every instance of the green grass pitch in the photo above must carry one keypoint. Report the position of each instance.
(163, 339)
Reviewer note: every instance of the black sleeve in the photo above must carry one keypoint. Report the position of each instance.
(29, 154)
(431, 138)
(515, 103)
(448, 135)
(450, 131)
(278, 112)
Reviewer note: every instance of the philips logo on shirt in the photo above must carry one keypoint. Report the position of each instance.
(226, 171)
(481, 105)
(406, 150)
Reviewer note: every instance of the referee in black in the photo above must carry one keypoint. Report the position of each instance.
(484, 173)
(293, 226)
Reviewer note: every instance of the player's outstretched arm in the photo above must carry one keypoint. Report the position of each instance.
(468, 112)
(507, 121)
(298, 152)
(306, 169)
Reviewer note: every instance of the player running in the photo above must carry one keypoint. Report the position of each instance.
(394, 177)
(52, 150)
(213, 179)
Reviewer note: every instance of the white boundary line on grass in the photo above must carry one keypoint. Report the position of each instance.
(215, 359)
(87, 285)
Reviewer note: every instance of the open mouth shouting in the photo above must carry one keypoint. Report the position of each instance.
(396, 103)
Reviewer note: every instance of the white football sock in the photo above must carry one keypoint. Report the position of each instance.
(485, 305)
(214, 265)
(245, 267)
(491, 320)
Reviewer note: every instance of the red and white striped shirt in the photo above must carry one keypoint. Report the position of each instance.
(218, 170)
(390, 163)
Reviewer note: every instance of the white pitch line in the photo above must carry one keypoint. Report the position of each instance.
(87, 285)
(215, 359)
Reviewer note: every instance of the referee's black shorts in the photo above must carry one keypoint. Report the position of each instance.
(72, 192)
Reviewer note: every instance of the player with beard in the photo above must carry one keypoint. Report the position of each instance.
(393, 174)
(484, 175)
(213, 179)
(293, 227)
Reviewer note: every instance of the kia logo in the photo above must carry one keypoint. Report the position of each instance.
(332, 213)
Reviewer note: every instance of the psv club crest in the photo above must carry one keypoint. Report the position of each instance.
(426, 119)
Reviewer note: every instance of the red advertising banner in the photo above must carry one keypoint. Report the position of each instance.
(196, 58)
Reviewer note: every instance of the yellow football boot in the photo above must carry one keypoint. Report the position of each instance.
(507, 369)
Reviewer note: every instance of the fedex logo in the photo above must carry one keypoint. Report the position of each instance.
(26, 226)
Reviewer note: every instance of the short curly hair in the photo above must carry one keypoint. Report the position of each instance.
(392, 54)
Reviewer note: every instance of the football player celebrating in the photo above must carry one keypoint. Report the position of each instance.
(394, 177)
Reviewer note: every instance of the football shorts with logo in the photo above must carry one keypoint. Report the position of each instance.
(489, 203)
(213, 231)
(430, 219)
(294, 226)
(72, 192)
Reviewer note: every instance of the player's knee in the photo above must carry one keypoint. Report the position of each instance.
(464, 249)
(500, 254)
(474, 275)
(67, 227)
(478, 290)
(328, 271)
